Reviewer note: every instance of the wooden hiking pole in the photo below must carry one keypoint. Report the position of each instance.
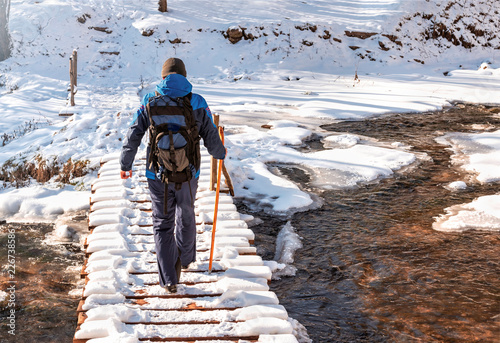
(213, 161)
(219, 172)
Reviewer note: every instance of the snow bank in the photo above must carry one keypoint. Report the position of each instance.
(479, 154)
(41, 203)
(481, 214)
(251, 150)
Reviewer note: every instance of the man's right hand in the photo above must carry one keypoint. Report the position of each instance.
(125, 174)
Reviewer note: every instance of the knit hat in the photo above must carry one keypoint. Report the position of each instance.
(173, 66)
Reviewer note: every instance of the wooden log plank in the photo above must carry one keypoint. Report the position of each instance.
(84, 274)
(170, 296)
(190, 339)
(198, 339)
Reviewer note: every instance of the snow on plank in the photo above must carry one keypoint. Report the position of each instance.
(122, 300)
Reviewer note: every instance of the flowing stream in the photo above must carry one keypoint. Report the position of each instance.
(45, 275)
(372, 269)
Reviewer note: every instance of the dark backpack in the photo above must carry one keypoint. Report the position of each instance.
(174, 140)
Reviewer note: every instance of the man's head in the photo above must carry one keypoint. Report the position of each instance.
(173, 66)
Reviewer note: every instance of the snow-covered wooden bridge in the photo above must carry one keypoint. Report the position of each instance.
(122, 300)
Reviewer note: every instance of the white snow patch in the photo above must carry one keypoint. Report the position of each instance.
(299, 331)
(342, 141)
(456, 185)
(287, 243)
(41, 203)
(481, 214)
(478, 154)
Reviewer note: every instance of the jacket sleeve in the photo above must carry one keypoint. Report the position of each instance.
(133, 139)
(208, 131)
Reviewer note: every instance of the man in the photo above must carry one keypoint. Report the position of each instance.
(173, 251)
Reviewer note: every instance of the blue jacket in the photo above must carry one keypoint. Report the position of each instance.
(174, 86)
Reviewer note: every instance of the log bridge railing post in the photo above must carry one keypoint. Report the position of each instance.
(162, 6)
(73, 76)
(213, 169)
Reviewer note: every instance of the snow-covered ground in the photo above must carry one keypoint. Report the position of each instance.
(479, 154)
(296, 66)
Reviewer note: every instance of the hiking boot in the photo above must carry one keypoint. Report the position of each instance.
(186, 267)
(171, 288)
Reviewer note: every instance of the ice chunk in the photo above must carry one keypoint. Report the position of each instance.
(112, 204)
(260, 311)
(263, 326)
(111, 329)
(457, 185)
(122, 312)
(245, 298)
(287, 338)
(107, 244)
(96, 220)
(287, 243)
(110, 157)
(104, 264)
(249, 272)
(243, 284)
(95, 300)
(343, 141)
(208, 217)
(242, 261)
(93, 329)
(120, 228)
(481, 214)
(120, 275)
(101, 287)
(245, 233)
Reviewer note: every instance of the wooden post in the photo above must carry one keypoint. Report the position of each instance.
(73, 76)
(213, 161)
(162, 5)
(229, 183)
(73, 79)
(75, 67)
(71, 82)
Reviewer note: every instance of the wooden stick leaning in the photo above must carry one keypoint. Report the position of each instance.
(217, 191)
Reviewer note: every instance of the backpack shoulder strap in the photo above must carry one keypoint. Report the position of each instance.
(192, 133)
(152, 136)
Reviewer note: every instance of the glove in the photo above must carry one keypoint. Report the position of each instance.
(125, 174)
(222, 159)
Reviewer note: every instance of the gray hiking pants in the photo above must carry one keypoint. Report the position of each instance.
(174, 232)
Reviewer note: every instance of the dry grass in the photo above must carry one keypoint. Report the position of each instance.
(20, 174)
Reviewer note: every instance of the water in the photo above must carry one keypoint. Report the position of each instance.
(44, 276)
(372, 269)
